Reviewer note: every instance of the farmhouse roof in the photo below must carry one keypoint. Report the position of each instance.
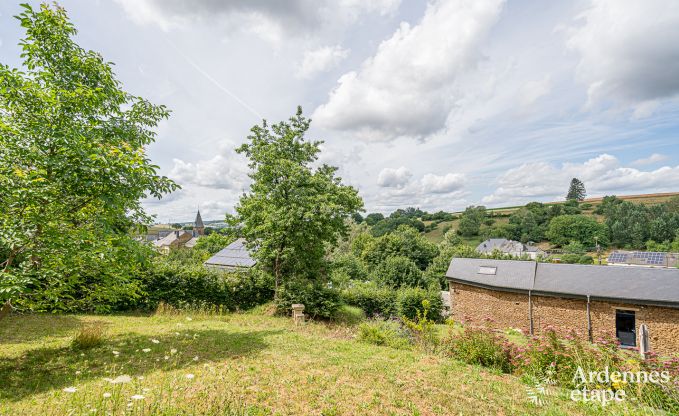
(169, 238)
(235, 255)
(629, 284)
(505, 246)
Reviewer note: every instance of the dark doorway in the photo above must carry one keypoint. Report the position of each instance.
(625, 328)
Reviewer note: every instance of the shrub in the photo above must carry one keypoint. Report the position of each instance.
(182, 285)
(481, 346)
(371, 298)
(398, 271)
(349, 315)
(422, 328)
(318, 299)
(90, 335)
(381, 332)
(409, 301)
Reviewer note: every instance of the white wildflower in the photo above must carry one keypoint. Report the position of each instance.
(70, 389)
(189, 376)
(107, 395)
(77, 373)
(188, 318)
(155, 341)
(195, 358)
(115, 352)
(167, 357)
(140, 377)
(137, 397)
(146, 349)
(173, 351)
(120, 379)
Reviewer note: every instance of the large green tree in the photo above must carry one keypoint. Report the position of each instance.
(72, 169)
(576, 190)
(294, 208)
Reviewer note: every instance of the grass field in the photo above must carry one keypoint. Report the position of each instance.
(241, 364)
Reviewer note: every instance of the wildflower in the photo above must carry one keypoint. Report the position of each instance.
(173, 351)
(195, 358)
(188, 318)
(115, 352)
(70, 389)
(140, 377)
(107, 395)
(77, 373)
(155, 341)
(145, 390)
(120, 379)
(146, 349)
(137, 397)
(189, 376)
(167, 357)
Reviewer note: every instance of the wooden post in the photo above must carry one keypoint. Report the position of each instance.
(644, 346)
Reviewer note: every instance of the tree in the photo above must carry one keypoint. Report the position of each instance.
(471, 220)
(566, 229)
(293, 210)
(213, 242)
(398, 271)
(374, 218)
(577, 190)
(73, 170)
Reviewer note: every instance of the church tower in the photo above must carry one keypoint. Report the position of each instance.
(198, 226)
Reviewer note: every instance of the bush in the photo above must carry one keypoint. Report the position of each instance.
(318, 299)
(422, 328)
(371, 298)
(409, 301)
(381, 332)
(481, 346)
(398, 271)
(90, 335)
(189, 285)
(349, 315)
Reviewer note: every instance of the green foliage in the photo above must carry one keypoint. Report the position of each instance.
(471, 220)
(632, 225)
(318, 299)
(181, 285)
(371, 298)
(576, 190)
(405, 241)
(349, 315)
(422, 328)
(398, 271)
(668, 246)
(575, 247)
(409, 301)
(579, 228)
(73, 170)
(213, 243)
(344, 268)
(438, 216)
(572, 258)
(374, 218)
(607, 203)
(386, 333)
(293, 209)
(389, 225)
(481, 346)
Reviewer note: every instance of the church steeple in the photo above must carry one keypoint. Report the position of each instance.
(198, 226)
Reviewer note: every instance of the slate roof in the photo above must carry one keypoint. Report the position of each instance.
(198, 223)
(505, 246)
(169, 238)
(235, 255)
(618, 283)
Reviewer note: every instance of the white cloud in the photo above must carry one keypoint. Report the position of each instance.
(226, 170)
(602, 175)
(394, 178)
(408, 87)
(442, 184)
(533, 90)
(628, 49)
(654, 158)
(321, 60)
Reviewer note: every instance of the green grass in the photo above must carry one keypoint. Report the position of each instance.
(241, 364)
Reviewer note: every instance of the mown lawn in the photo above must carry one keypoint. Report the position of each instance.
(241, 364)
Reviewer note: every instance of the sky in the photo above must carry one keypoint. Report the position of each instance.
(437, 105)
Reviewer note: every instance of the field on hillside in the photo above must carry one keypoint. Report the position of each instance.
(436, 235)
(241, 364)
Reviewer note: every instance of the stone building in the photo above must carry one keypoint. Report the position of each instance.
(175, 239)
(594, 301)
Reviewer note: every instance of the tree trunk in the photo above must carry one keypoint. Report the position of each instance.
(277, 276)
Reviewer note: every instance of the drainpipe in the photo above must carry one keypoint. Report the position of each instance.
(589, 321)
(530, 311)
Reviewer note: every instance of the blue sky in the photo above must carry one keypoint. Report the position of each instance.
(438, 104)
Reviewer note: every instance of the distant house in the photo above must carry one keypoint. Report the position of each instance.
(235, 256)
(595, 301)
(643, 258)
(174, 239)
(511, 247)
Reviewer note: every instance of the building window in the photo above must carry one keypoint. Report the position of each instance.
(625, 328)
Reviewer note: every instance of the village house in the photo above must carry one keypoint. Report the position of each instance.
(595, 301)
(511, 247)
(181, 238)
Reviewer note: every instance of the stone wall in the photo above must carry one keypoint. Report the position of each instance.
(474, 305)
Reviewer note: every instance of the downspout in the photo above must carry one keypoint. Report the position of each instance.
(530, 312)
(589, 321)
